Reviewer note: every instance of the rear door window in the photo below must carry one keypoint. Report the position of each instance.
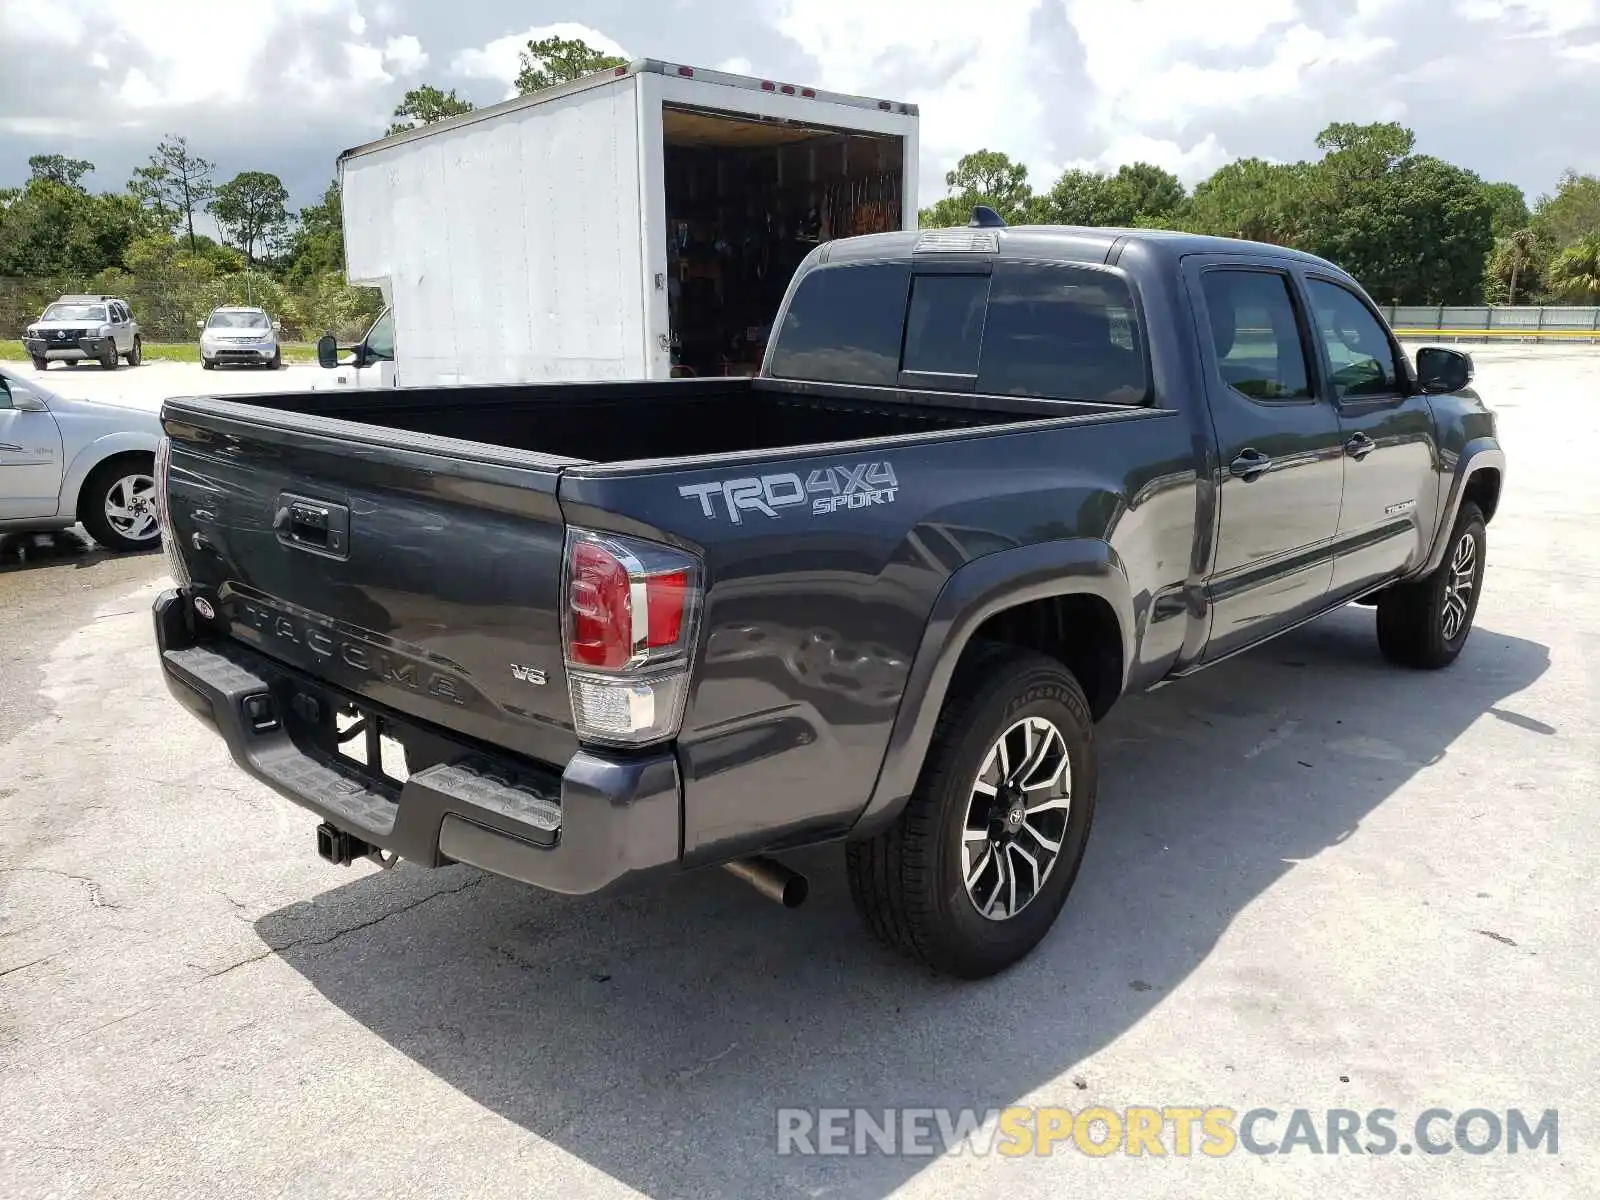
(1255, 334)
(844, 325)
(1062, 333)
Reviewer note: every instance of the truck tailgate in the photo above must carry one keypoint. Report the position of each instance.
(421, 573)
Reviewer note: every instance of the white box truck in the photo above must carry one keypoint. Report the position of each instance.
(639, 223)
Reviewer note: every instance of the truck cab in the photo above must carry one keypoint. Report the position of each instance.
(370, 363)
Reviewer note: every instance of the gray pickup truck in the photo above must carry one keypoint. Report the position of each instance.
(988, 481)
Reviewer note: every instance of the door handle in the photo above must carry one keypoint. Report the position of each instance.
(1250, 464)
(1359, 446)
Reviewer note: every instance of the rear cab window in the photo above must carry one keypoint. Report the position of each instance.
(844, 325)
(1030, 329)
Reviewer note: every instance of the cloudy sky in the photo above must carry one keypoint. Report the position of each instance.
(1510, 88)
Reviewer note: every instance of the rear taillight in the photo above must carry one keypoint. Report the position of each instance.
(169, 536)
(629, 617)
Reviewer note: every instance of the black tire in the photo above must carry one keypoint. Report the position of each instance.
(40, 364)
(277, 361)
(92, 501)
(206, 364)
(136, 355)
(110, 360)
(909, 882)
(1425, 624)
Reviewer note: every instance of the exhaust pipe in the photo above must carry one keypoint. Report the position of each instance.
(772, 879)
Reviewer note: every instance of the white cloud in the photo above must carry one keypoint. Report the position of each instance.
(99, 61)
(973, 90)
(1545, 16)
(1191, 164)
(22, 23)
(137, 91)
(1589, 53)
(405, 54)
(1156, 80)
(737, 66)
(357, 24)
(500, 60)
(364, 64)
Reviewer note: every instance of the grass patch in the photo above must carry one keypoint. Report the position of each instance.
(295, 352)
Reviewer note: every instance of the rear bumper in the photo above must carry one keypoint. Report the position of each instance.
(596, 824)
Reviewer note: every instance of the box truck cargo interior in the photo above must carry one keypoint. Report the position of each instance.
(746, 201)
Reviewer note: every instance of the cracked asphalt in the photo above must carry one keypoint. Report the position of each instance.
(1314, 882)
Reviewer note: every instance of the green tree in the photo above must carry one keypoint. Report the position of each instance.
(1508, 208)
(1256, 200)
(554, 60)
(58, 168)
(251, 210)
(1417, 233)
(1521, 251)
(985, 177)
(1156, 194)
(317, 246)
(1573, 212)
(176, 183)
(1575, 272)
(424, 105)
(1082, 197)
(1363, 153)
(53, 228)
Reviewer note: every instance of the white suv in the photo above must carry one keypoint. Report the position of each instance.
(239, 336)
(85, 328)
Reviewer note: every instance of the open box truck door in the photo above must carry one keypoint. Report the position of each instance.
(639, 223)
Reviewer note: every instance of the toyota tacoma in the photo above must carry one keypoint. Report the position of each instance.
(988, 481)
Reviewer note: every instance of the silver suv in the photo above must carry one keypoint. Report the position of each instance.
(81, 328)
(241, 336)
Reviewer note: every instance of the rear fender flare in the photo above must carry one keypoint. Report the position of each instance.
(973, 594)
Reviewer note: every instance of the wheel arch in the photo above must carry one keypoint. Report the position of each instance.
(1479, 476)
(1040, 597)
(89, 459)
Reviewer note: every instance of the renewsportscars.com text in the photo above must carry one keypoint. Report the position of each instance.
(1158, 1132)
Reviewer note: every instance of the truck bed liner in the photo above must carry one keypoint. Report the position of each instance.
(621, 422)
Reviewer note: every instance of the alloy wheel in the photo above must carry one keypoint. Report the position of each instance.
(131, 507)
(1458, 586)
(1016, 818)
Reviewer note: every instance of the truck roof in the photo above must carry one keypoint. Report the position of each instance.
(1068, 243)
(641, 66)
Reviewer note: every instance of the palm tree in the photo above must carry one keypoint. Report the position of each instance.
(1575, 273)
(1520, 247)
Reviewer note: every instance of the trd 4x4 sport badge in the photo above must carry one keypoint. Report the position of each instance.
(827, 490)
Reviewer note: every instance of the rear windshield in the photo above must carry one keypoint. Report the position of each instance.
(844, 326)
(1042, 330)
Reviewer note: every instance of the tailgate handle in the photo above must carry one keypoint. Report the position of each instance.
(303, 523)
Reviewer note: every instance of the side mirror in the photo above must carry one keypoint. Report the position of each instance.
(199, 324)
(327, 351)
(28, 402)
(276, 326)
(1441, 371)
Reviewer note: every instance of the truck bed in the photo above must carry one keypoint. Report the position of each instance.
(621, 422)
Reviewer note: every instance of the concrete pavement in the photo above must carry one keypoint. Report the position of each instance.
(1315, 881)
